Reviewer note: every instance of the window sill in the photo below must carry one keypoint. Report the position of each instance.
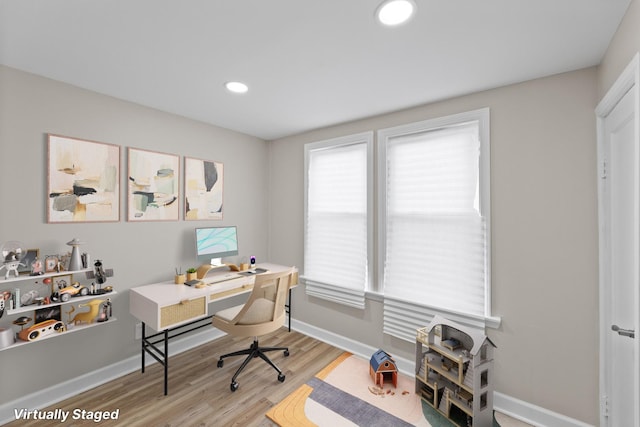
(493, 322)
(374, 296)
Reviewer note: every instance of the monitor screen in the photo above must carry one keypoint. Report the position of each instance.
(213, 243)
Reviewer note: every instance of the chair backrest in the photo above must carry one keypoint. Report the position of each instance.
(264, 310)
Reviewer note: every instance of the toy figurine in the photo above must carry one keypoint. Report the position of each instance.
(100, 274)
(88, 316)
(37, 267)
(21, 321)
(11, 266)
(106, 311)
(12, 254)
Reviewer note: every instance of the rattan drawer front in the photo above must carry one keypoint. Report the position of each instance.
(183, 311)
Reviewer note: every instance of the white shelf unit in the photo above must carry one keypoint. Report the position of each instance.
(32, 308)
(26, 277)
(460, 377)
(75, 328)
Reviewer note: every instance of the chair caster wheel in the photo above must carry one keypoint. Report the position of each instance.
(281, 378)
(234, 386)
(220, 363)
(286, 353)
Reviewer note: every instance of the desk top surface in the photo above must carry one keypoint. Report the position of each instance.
(167, 292)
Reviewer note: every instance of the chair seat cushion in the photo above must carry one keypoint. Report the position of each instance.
(261, 311)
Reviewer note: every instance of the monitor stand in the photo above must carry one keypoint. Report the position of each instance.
(205, 268)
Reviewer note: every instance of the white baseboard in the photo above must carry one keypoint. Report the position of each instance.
(513, 407)
(510, 406)
(532, 414)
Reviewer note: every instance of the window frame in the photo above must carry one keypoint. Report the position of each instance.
(482, 116)
(366, 138)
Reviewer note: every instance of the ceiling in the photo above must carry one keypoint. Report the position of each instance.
(308, 63)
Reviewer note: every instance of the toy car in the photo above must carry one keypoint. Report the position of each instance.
(66, 293)
(41, 329)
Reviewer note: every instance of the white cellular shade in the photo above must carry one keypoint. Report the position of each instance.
(336, 226)
(433, 172)
(435, 233)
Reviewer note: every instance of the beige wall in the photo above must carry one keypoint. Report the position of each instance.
(544, 238)
(139, 253)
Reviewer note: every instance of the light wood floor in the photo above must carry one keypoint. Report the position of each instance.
(199, 392)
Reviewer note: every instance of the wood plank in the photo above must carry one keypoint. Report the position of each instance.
(199, 392)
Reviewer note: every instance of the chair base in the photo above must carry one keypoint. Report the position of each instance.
(252, 352)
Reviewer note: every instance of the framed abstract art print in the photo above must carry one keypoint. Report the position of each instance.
(153, 186)
(83, 181)
(203, 189)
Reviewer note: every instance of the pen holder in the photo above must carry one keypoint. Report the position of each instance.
(179, 279)
(244, 266)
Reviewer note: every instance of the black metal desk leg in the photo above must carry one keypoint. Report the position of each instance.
(166, 361)
(289, 309)
(142, 344)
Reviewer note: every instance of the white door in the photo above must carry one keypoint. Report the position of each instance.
(619, 195)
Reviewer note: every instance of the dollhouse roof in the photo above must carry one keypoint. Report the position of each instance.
(476, 336)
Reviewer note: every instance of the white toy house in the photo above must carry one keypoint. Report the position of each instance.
(454, 371)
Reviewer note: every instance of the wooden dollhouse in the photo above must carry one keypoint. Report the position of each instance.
(454, 371)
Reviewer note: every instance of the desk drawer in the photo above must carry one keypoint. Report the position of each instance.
(183, 311)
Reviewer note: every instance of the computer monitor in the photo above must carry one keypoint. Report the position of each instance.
(213, 243)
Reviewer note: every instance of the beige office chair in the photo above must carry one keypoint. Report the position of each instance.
(264, 312)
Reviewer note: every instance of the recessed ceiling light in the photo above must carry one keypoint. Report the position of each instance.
(236, 87)
(395, 12)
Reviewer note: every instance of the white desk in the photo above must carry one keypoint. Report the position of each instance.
(173, 310)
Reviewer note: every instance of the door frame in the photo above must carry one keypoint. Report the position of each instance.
(629, 80)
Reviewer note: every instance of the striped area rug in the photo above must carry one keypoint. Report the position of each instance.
(340, 396)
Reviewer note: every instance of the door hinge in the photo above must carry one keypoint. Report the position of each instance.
(603, 175)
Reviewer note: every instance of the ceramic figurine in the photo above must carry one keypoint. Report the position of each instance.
(88, 316)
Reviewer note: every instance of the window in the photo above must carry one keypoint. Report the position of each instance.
(432, 227)
(338, 223)
(434, 219)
